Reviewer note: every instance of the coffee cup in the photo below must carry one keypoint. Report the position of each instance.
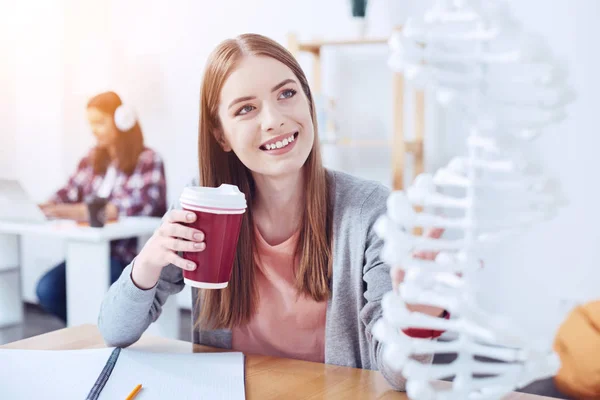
(97, 211)
(219, 213)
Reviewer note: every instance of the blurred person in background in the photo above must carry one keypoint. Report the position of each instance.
(120, 170)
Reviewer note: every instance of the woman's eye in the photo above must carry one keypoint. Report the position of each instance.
(245, 110)
(287, 94)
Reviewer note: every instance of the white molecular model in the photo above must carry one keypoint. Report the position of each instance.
(475, 56)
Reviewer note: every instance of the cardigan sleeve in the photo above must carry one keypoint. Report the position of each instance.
(377, 282)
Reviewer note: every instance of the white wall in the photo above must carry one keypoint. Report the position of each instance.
(36, 117)
(154, 54)
(169, 63)
(560, 259)
(8, 96)
(537, 278)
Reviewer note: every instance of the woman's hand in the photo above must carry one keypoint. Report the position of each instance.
(112, 212)
(397, 275)
(46, 207)
(161, 249)
(77, 212)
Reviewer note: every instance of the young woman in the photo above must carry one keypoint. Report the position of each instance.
(120, 169)
(307, 281)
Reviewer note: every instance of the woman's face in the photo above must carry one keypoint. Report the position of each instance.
(265, 117)
(102, 126)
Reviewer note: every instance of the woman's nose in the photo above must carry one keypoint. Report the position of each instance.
(272, 119)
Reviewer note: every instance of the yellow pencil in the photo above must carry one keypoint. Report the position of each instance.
(134, 392)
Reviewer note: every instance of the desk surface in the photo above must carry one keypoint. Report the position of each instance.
(124, 228)
(266, 377)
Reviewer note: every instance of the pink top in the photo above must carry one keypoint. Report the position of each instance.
(286, 324)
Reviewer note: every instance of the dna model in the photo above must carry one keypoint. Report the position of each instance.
(475, 57)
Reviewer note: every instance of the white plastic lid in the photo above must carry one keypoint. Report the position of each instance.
(225, 197)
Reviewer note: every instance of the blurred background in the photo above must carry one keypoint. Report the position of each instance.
(56, 54)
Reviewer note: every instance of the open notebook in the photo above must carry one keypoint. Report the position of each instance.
(113, 373)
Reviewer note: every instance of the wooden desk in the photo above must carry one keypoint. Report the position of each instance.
(266, 377)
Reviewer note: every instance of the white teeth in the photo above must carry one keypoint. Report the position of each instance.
(280, 144)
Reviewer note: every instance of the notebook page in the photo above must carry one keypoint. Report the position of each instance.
(215, 376)
(70, 374)
(49, 374)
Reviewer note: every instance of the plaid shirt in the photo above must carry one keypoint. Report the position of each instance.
(143, 193)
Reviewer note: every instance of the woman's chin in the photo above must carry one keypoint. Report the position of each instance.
(285, 168)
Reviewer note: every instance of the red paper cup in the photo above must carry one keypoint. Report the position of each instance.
(219, 212)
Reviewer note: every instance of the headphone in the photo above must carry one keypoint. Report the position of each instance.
(125, 118)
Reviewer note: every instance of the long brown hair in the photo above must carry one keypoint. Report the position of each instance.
(129, 144)
(236, 304)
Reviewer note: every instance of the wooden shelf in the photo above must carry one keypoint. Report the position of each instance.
(399, 145)
(315, 46)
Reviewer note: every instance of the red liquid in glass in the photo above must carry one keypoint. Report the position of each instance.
(221, 234)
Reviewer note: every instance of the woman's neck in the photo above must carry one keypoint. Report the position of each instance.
(112, 152)
(278, 208)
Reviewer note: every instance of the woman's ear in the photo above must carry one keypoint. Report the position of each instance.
(222, 141)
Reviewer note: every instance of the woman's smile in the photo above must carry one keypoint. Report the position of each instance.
(281, 144)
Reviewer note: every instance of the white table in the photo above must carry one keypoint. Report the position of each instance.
(88, 268)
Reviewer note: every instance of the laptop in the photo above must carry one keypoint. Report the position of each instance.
(16, 205)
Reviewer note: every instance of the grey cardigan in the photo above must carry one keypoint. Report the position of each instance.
(359, 280)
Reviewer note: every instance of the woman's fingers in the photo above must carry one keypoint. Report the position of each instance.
(180, 262)
(176, 216)
(397, 276)
(182, 232)
(176, 245)
(434, 233)
(426, 255)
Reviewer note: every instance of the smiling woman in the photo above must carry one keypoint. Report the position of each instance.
(307, 279)
(260, 96)
(266, 107)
